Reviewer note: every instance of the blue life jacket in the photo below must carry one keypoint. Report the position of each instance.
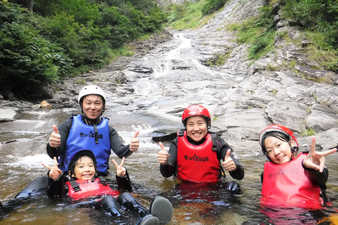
(83, 136)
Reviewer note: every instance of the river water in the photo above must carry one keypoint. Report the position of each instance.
(152, 104)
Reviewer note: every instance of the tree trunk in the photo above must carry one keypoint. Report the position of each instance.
(30, 4)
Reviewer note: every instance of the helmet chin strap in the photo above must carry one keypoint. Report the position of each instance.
(294, 150)
(92, 121)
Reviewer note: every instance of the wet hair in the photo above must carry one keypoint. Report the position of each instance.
(281, 136)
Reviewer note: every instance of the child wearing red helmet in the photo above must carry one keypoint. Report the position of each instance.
(195, 155)
(291, 179)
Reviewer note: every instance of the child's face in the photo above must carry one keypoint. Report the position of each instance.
(84, 168)
(196, 128)
(278, 151)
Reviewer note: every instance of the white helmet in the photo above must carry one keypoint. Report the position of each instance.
(91, 90)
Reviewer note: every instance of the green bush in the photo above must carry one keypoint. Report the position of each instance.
(27, 60)
(64, 38)
(316, 15)
(320, 19)
(212, 6)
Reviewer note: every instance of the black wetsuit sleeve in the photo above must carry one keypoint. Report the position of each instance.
(170, 169)
(238, 173)
(116, 144)
(64, 129)
(124, 183)
(317, 177)
(56, 188)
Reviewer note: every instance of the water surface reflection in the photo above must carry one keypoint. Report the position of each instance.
(21, 162)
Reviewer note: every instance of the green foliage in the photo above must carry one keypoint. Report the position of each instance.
(261, 44)
(212, 6)
(185, 16)
(81, 82)
(27, 60)
(308, 132)
(316, 15)
(258, 32)
(320, 19)
(64, 38)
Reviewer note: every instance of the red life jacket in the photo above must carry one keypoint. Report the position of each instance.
(196, 163)
(79, 189)
(287, 185)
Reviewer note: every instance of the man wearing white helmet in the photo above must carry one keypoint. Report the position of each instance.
(89, 131)
(86, 131)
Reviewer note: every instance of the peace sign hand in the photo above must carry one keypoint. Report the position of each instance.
(316, 160)
(228, 164)
(162, 155)
(54, 172)
(120, 170)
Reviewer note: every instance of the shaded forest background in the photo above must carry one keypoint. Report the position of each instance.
(42, 42)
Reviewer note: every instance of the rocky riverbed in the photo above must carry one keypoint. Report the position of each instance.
(170, 71)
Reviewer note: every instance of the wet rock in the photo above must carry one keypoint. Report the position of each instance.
(316, 74)
(142, 69)
(321, 118)
(287, 113)
(7, 114)
(45, 105)
(163, 137)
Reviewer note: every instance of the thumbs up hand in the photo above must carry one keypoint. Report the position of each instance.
(134, 142)
(55, 138)
(228, 164)
(162, 155)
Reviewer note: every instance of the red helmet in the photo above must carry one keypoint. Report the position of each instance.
(196, 110)
(278, 128)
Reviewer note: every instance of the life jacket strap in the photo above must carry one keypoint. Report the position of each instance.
(181, 132)
(103, 180)
(75, 185)
(214, 142)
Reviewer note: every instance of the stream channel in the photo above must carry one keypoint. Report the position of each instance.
(151, 103)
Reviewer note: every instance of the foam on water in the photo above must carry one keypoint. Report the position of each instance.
(32, 161)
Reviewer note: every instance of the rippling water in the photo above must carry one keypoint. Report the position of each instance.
(155, 104)
(21, 163)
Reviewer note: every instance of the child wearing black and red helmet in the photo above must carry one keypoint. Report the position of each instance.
(84, 182)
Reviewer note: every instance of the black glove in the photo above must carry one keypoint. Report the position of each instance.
(233, 187)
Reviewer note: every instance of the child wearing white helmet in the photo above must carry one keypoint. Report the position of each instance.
(291, 179)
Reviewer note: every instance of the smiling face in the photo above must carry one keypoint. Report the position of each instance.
(84, 168)
(92, 106)
(278, 151)
(196, 128)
